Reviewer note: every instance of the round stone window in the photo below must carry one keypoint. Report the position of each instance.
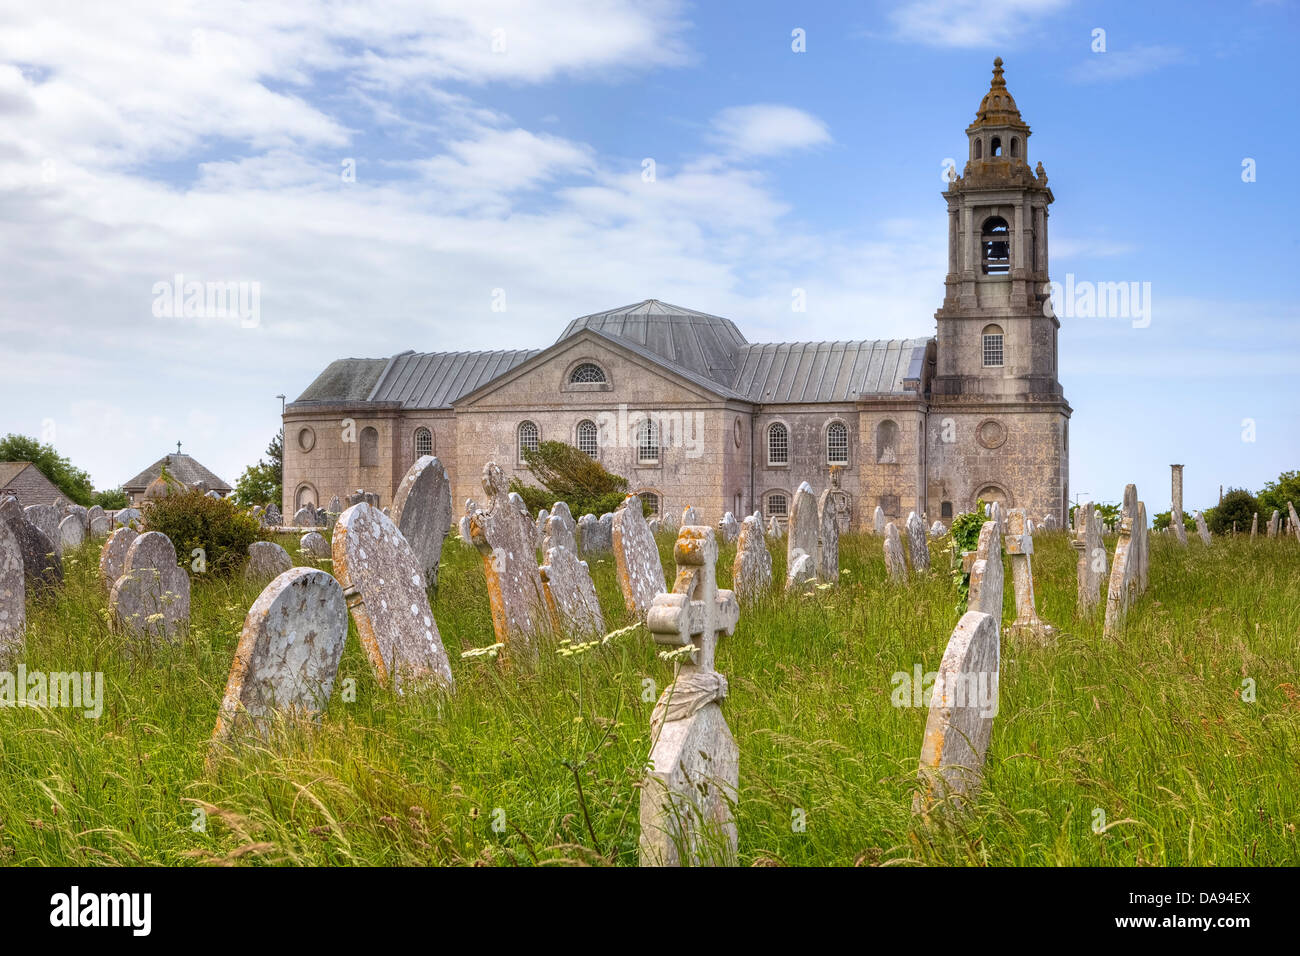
(991, 433)
(306, 439)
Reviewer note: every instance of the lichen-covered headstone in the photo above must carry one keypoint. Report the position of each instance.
(560, 531)
(100, 524)
(504, 537)
(938, 529)
(42, 568)
(304, 518)
(288, 652)
(636, 558)
(918, 546)
(962, 709)
(112, 559)
(1124, 568)
(595, 535)
(987, 575)
(1019, 542)
(422, 512)
(690, 516)
(13, 597)
(542, 517)
(71, 533)
(45, 519)
(384, 586)
(1090, 566)
(151, 600)
(878, 520)
(895, 562)
(266, 561)
(752, 571)
(471, 506)
(693, 781)
(314, 545)
(570, 594)
(1295, 521)
(273, 516)
(804, 527)
(728, 528)
(1201, 530)
(828, 537)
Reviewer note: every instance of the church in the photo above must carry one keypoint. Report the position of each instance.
(692, 413)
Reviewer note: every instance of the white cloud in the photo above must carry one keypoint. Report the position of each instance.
(971, 23)
(1125, 64)
(766, 129)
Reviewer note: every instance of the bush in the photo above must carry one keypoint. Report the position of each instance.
(1238, 505)
(1275, 494)
(193, 520)
(572, 476)
(114, 499)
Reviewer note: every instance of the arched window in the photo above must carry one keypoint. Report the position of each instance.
(588, 373)
(588, 437)
(305, 496)
(995, 147)
(992, 346)
(647, 442)
(651, 499)
(995, 247)
(778, 504)
(945, 509)
(1015, 146)
(887, 443)
(837, 444)
(778, 444)
(369, 447)
(979, 149)
(527, 438)
(423, 442)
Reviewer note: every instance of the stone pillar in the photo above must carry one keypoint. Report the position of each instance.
(1176, 473)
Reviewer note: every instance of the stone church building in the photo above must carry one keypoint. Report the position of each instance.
(691, 413)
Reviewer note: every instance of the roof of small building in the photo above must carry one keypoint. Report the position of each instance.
(181, 467)
(28, 483)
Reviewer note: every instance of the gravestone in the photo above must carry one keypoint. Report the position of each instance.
(690, 517)
(71, 533)
(561, 531)
(570, 595)
(288, 653)
(597, 534)
(422, 512)
(100, 524)
(112, 559)
(804, 526)
(800, 572)
(1123, 570)
(1019, 543)
(1273, 524)
(653, 523)
(728, 528)
(636, 558)
(774, 529)
(13, 597)
(336, 506)
(895, 563)
(938, 529)
(918, 546)
(1090, 566)
(878, 520)
(1049, 522)
(504, 537)
(152, 597)
(828, 537)
(266, 561)
(304, 518)
(752, 572)
(45, 519)
(383, 584)
(987, 575)
(1254, 526)
(471, 506)
(1201, 530)
(542, 517)
(962, 708)
(314, 545)
(1294, 523)
(693, 780)
(41, 566)
(273, 516)
(1142, 547)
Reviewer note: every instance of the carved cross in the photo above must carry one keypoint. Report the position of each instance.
(697, 611)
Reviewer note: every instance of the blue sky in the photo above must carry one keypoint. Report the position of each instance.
(147, 140)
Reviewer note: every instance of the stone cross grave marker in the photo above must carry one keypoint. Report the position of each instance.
(288, 653)
(152, 597)
(895, 563)
(752, 571)
(422, 512)
(383, 584)
(570, 594)
(918, 546)
(636, 558)
(828, 537)
(1019, 543)
(13, 597)
(693, 777)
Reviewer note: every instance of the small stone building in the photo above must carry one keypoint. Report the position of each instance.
(692, 413)
(28, 484)
(182, 468)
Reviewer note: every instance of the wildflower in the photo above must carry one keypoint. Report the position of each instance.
(685, 652)
(492, 650)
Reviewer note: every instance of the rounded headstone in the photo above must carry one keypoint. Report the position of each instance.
(112, 560)
(266, 560)
(313, 543)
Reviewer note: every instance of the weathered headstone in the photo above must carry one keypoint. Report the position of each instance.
(45, 519)
(266, 561)
(1274, 523)
(152, 597)
(273, 516)
(878, 520)
(728, 528)
(653, 524)
(962, 709)
(1123, 570)
(41, 565)
(938, 529)
(384, 586)
(542, 517)
(804, 526)
(71, 533)
(918, 546)
(1201, 530)
(422, 512)
(987, 575)
(570, 594)
(288, 653)
(314, 545)
(828, 538)
(1254, 526)
(1019, 542)
(895, 563)
(690, 517)
(112, 559)
(526, 523)
(693, 780)
(304, 518)
(100, 524)
(752, 571)
(1294, 520)
(336, 506)
(1049, 522)
(774, 529)
(1090, 566)
(1176, 507)
(504, 537)
(82, 513)
(560, 531)
(597, 534)
(636, 558)
(1142, 547)
(13, 597)
(471, 506)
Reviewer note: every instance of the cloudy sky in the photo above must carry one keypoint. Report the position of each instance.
(381, 169)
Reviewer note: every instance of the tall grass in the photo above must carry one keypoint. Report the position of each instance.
(542, 765)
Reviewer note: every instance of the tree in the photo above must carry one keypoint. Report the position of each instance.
(1160, 521)
(263, 483)
(1238, 506)
(70, 480)
(1275, 494)
(114, 499)
(572, 476)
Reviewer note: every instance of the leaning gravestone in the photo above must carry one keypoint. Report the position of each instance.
(752, 572)
(828, 538)
(729, 528)
(636, 558)
(693, 780)
(288, 652)
(112, 560)
(41, 565)
(962, 709)
(570, 595)
(895, 563)
(1295, 521)
(71, 533)
(45, 518)
(804, 527)
(1019, 542)
(1123, 570)
(314, 545)
(918, 546)
(152, 597)
(987, 575)
(1090, 566)
(504, 537)
(422, 512)
(266, 561)
(384, 586)
(13, 597)
(560, 530)
(1202, 530)
(878, 520)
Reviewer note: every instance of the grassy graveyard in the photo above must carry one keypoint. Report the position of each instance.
(1150, 739)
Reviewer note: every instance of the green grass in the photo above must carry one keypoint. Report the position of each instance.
(1150, 729)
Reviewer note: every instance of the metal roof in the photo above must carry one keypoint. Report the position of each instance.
(436, 379)
(811, 372)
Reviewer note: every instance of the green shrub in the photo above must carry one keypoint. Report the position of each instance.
(1275, 494)
(114, 499)
(572, 476)
(1238, 506)
(193, 520)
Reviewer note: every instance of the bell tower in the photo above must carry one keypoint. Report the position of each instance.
(993, 336)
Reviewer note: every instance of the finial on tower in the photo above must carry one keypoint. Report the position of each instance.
(997, 72)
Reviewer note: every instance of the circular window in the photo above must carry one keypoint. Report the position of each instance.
(739, 431)
(991, 433)
(306, 439)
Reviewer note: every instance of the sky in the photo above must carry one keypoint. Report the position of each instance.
(382, 176)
